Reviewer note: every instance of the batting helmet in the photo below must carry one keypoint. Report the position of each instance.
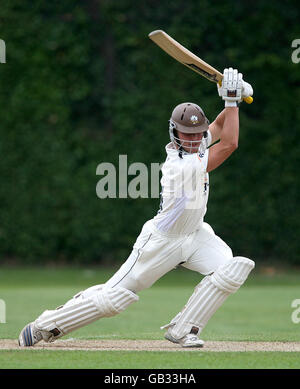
(188, 118)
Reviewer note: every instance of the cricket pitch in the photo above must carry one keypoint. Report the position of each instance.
(152, 345)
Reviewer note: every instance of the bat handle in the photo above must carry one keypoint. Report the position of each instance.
(248, 100)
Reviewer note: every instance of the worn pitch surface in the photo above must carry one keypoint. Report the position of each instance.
(151, 345)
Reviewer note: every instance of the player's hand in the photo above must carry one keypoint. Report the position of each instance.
(231, 88)
(233, 83)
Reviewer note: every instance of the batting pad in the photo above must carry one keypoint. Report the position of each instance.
(84, 308)
(209, 295)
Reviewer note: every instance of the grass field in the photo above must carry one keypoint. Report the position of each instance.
(260, 311)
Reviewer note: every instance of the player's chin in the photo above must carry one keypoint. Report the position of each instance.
(192, 150)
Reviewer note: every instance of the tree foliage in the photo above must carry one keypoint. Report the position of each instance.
(83, 84)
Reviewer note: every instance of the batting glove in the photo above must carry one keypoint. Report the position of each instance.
(231, 88)
(234, 89)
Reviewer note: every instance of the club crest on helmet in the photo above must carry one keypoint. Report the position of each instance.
(194, 119)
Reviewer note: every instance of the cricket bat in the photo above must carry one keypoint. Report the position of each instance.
(187, 58)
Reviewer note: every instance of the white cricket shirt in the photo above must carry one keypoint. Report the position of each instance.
(185, 189)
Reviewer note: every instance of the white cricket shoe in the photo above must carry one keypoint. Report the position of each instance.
(30, 335)
(189, 340)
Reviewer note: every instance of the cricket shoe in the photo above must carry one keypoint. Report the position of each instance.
(30, 335)
(189, 340)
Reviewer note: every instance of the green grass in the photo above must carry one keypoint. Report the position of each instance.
(42, 359)
(259, 311)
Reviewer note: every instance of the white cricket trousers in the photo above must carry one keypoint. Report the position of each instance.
(155, 254)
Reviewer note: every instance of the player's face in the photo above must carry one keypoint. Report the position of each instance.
(190, 142)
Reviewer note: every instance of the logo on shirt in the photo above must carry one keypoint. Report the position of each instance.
(205, 185)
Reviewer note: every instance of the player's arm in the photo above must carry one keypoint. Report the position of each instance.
(226, 125)
(216, 126)
(228, 133)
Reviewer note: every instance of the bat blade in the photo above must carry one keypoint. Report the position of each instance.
(187, 58)
(184, 56)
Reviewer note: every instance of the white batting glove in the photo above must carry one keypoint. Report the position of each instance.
(234, 89)
(232, 86)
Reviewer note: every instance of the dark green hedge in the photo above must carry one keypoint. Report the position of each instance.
(84, 84)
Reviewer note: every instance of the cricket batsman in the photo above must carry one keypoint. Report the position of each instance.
(177, 235)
